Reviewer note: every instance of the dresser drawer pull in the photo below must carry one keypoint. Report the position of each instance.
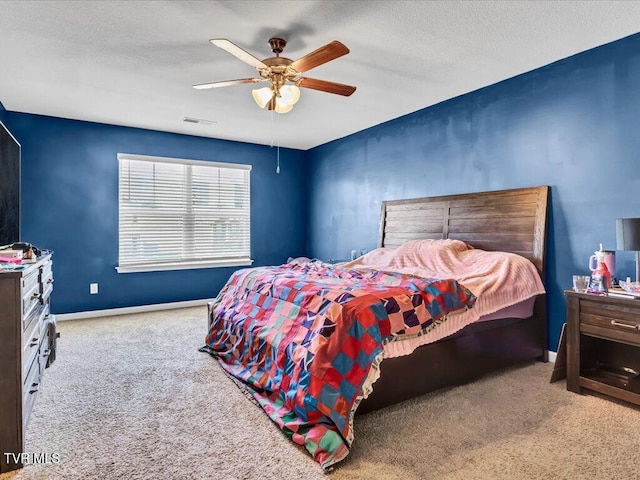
(50, 281)
(35, 296)
(34, 388)
(625, 325)
(34, 342)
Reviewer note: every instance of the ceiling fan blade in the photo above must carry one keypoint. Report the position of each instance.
(238, 52)
(325, 54)
(228, 83)
(324, 86)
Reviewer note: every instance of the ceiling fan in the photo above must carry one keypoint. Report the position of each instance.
(283, 73)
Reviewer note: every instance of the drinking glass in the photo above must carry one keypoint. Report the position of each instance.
(581, 283)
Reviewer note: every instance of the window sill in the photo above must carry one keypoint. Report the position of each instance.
(159, 267)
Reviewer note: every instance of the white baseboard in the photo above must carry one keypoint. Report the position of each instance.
(61, 317)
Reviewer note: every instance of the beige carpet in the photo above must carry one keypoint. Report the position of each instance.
(131, 397)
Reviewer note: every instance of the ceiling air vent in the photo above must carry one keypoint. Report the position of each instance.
(200, 121)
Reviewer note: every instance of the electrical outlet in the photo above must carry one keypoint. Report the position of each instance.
(93, 288)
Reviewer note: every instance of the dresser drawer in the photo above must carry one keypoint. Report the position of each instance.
(34, 378)
(46, 270)
(31, 296)
(28, 321)
(29, 390)
(43, 351)
(46, 287)
(30, 279)
(32, 338)
(46, 281)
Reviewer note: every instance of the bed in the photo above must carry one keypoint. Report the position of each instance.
(295, 372)
(507, 220)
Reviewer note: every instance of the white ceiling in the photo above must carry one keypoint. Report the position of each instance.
(133, 63)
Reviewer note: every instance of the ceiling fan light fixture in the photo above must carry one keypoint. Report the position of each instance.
(262, 96)
(282, 107)
(266, 98)
(290, 94)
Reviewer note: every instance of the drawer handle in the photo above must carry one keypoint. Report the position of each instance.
(625, 325)
(34, 388)
(35, 296)
(50, 281)
(46, 352)
(34, 342)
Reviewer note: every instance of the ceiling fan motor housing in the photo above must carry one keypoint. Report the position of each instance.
(277, 45)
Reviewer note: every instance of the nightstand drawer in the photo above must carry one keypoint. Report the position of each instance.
(610, 321)
(628, 314)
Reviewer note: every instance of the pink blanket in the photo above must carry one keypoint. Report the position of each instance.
(497, 279)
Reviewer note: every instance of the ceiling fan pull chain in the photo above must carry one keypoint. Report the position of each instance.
(278, 154)
(273, 139)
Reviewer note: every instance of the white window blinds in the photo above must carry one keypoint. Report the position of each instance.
(177, 213)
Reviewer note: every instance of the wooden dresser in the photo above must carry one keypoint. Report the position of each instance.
(25, 346)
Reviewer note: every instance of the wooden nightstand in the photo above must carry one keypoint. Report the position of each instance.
(603, 345)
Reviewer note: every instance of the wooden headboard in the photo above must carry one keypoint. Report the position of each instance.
(502, 220)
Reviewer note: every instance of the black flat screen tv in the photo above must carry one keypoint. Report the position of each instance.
(9, 187)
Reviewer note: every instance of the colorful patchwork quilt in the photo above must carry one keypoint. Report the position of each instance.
(306, 340)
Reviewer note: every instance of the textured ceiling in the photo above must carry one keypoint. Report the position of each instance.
(133, 63)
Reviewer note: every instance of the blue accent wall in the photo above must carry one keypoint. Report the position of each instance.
(70, 205)
(572, 125)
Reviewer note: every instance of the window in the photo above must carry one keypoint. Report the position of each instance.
(177, 214)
